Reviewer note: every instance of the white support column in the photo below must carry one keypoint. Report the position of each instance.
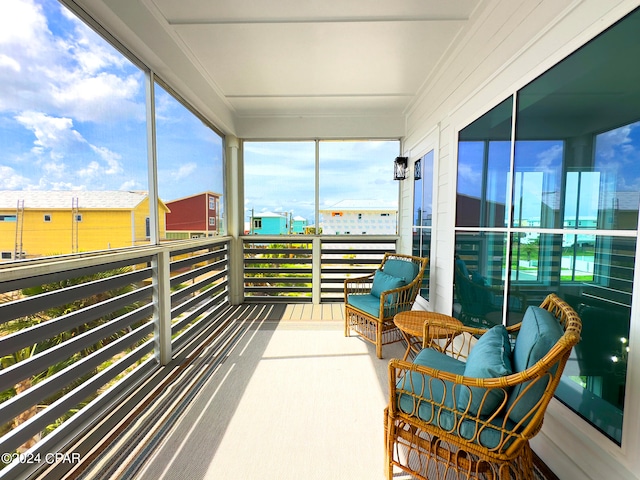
(316, 265)
(162, 310)
(154, 220)
(235, 217)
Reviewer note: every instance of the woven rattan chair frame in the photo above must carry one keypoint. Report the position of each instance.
(380, 330)
(427, 451)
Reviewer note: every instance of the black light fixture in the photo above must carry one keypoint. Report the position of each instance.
(400, 168)
(417, 170)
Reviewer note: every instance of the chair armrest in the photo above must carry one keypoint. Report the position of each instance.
(358, 285)
(453, 340)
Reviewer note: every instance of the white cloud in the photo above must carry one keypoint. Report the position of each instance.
(112, 159)
(185, 170)
(12, 180)
(548, 157)
(91, 170)
(78, 75)
(9, 63)
(470, 177)
(54, 135)
(132, 185)
(608, 143)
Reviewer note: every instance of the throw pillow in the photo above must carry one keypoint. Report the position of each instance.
(383, 282)
(489, 358)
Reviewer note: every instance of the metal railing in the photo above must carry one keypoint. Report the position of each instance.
(303, 268)
(79, 332)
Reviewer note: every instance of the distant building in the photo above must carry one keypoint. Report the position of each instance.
(269, 223)
(194, 216)
(35, 223)
(299, 224)
(359, 217)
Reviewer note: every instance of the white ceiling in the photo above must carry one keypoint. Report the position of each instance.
(293, 57)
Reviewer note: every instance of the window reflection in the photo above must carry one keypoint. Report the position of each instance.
(423, 212)
(576, 170)
(479, 281)
(537, 183)
(483, 169)
(617, 157)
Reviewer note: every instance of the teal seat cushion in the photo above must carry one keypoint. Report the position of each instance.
(441, 411)
(366, 302)
(540, 331)
(401, 269)
(439, 391)
(489, 358)
(383, 282)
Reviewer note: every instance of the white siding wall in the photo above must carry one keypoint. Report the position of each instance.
(512, 42)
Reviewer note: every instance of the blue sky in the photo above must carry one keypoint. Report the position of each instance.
(72, 113)
(72, 116)
(616, 167)
(349, 170)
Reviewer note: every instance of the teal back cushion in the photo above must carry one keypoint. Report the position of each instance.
(540, 331)
(401, 269)
(383, 282)
(490, 357)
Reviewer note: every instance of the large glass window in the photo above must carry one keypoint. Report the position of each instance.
(190, 171)
(72, 135)
(73, 130)
(572, 228)
(357, 194)
(279, 186)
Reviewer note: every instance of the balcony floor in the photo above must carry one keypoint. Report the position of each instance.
(293, 399)
(285, 396)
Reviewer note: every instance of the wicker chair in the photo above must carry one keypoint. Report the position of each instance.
(370, 307)
(452, 419)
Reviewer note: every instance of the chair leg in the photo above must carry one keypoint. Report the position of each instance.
(388, 445)
(379, 339)
(347, 330)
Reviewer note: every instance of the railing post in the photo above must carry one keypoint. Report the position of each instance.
(316, 266)
(162, 307)
(236, 271)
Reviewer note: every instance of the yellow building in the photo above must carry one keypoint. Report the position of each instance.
(39, 223)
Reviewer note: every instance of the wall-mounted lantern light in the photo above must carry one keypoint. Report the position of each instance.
(400, 168)
(417, 170)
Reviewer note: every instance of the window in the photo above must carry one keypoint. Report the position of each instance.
(423, 212)
(281, 177)
(78, 217)
(190, 164)
(357, 176)
(90, 151)
(59, 142)
(8, 218)
(7, 255)
(564, 219)
(212, 221)
(257, 223)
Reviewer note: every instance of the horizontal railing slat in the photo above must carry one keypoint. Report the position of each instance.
(54, 298)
